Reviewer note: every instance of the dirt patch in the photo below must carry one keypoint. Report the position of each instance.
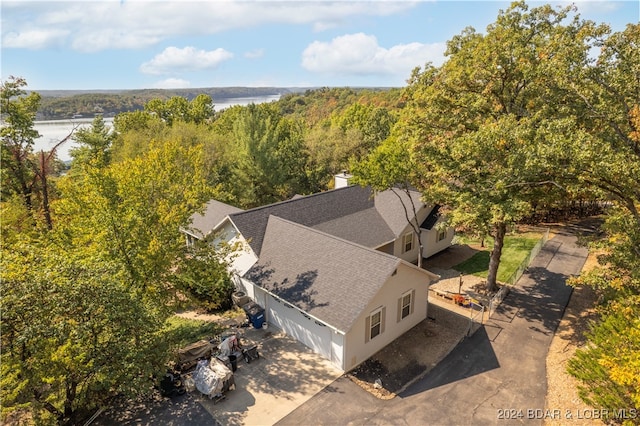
(411, 356)
(562, 388)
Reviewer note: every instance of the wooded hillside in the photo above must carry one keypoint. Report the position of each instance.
(64, 104)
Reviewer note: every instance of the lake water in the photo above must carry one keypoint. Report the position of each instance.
(53, 131)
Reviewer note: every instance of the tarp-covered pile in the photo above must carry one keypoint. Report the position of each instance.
(189, 355)
(211, 376)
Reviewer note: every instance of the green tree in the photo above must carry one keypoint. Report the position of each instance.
(178, 108)
(330, 150)
(73, 336)
(24, 172)
(83, 306)
(607, 104)
(19, 112)
(374, 123)
(608, 367)
(132, 210)
(478, 124)
(268, 155)
(389, 167)
(203, 276)
(94, 144)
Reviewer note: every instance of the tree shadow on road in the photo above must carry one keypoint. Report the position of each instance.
(179, 411)
(473, 356)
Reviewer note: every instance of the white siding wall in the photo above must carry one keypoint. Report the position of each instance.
(322, 339)
(406, 279)
(412, 255)
(248, 288)
(431, 243)
(243, 258)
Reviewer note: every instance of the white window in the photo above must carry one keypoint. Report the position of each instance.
(405, 304)
(442, 234)
(375, 324)
(407, 242)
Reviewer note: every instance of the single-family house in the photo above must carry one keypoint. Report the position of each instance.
(335, 270)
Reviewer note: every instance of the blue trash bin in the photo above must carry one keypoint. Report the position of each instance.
(258, 320)
(255, 314)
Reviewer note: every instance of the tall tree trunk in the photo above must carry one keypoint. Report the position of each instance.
(412, 220)
(70, 394)
(496, 253)
(45, 191)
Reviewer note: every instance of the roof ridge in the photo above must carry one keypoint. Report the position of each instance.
(294, 200)
(317, 231)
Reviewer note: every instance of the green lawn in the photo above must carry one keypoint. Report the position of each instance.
(515, 251)
(183, 331)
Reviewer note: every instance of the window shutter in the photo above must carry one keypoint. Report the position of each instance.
(399, 310)
(413, 300)
(367, 328)
(382, 317)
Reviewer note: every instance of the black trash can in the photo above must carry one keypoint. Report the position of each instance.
(234, 362)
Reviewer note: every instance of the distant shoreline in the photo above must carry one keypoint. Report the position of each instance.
(215, 92)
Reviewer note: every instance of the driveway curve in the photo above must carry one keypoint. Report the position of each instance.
(497, 376)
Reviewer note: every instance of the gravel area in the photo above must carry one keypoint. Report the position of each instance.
(562, 392)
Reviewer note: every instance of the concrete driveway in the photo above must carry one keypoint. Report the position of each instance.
(286, 375)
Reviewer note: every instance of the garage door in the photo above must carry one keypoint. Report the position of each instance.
(300, 326)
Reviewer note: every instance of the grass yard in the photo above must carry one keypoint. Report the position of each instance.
(515, 251)
(183, 331)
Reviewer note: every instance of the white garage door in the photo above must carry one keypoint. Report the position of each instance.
(300, 326)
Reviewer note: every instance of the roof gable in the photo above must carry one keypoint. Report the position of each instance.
(214, 213)
(309, 211)
(325, 276)
(391, 205)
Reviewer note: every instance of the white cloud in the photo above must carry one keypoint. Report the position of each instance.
(254, 54)
(175, 60)
(34, 39)
(172, 83)
(104, 24)
(360, 54)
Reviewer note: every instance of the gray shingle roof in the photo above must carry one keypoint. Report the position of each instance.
(391, 209)
(325, 276)
(352, 213)
(214, 213)
(309, 211)
(366, 227)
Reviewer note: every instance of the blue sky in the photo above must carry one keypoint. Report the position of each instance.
(136, 44)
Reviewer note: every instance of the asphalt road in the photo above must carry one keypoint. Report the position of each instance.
(495, 377)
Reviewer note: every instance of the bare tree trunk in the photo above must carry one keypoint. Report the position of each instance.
(496, 253)
(415, 226)
(41, 173)
(70, 398)
(45, 192)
